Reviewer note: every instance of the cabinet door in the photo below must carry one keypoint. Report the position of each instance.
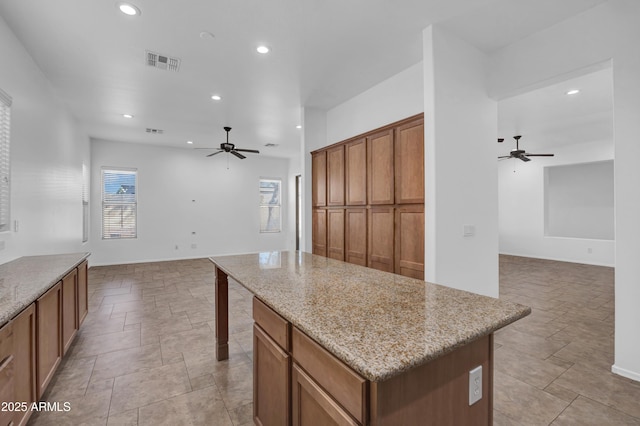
(319, 178)
(356, 236)
(49, 340)
(380, 168)
(83, 300)
(312, 405)
(24, 348)
(410, 241)
(7, 372)
(335, 176)
(271, 381)
(319, 232)
(409, 163)
(381, 239)
(356, 172)
(335, 233)
(69, 309)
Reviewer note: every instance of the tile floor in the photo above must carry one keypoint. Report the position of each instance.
(144, 355)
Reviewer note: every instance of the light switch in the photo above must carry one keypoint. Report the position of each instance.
(469, 231)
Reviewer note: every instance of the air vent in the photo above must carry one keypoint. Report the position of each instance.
(270, 145)
(155, 131)
(162, 62)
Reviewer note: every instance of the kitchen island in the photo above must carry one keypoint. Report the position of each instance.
(361, 346)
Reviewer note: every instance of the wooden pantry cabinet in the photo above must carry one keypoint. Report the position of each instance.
(368, 199)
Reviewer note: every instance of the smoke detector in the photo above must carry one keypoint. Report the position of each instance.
(162, 62)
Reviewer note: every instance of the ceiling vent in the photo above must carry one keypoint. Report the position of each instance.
(162, 62)
(270, 145)
(155, 131)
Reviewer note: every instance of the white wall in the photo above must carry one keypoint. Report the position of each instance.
(521, 208)
(224, 215)
(48, 150)
(391, 100)
(606, 32)
(461, 177)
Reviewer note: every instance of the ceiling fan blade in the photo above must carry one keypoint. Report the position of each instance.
(524, 158)
(237, 154)
(255, 151)
(504, 156)
(217, 152)
(207, 148)
(539, 155)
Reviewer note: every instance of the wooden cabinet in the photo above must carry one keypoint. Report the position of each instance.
(319, 232)
(316, 389)
(83, 292)
(409, 163)
(369, 180)
(7, 372)
(356, 236)
(380, 251)
(319, 179)
(69, 309)
(24, 350)
(49, 339)
(271, 381)
(271, 367)
(335, 176)
(356, 172)
(409, 251)
(335, 234)
(380, 174)
(312, 405)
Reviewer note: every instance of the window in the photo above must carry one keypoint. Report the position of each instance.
(5, 161)
(85, 204)
(119, 203)
(270, 208)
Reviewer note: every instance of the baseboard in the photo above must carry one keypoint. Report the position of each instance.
(558, 259)
(625, 373)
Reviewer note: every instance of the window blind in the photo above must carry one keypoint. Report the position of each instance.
(270, 205)
(5, 161)
(119, 203)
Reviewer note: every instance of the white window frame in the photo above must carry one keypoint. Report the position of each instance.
(278, 205)
(131, 202)
(5, 161)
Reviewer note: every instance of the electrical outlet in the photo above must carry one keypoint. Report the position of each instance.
(475, 385)
(177, 248)
(193, 246)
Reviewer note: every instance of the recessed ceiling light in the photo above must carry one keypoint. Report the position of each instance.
(573, 92)
(206, 35)
(298, 127)
(127, 115)
(263, 49)
(128, 9)
(216, 97)
(190, 142)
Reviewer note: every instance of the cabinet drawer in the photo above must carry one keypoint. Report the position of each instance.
(344, 384)
(276, 327)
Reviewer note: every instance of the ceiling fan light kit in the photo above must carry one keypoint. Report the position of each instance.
(520, 154)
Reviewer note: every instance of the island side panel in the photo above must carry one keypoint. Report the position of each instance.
(222, 315)
(437, 392)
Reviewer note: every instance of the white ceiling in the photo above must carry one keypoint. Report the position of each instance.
(323, 53)
(547, 117)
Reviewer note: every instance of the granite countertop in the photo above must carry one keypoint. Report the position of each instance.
(25, 279)
(378, 323)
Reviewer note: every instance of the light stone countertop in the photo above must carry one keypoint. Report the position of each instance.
(25, 279)
(378, 323)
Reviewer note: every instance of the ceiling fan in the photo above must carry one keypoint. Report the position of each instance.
(231, 148)
(520, 153)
